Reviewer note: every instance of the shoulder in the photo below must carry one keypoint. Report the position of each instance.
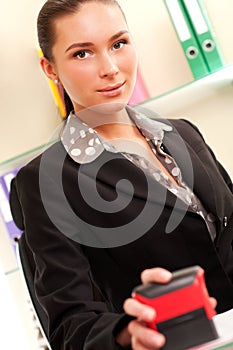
(183, 124)
(45, 161)
(188, 131)
(45, 167)
(185, 128)
(40, 181)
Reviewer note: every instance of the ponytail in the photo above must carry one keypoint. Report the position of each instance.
(68, 104)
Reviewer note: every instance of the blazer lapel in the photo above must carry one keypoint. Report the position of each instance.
(112, 168)
(193, 172)
(115, 170)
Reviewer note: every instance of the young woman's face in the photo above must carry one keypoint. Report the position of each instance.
(95, 58)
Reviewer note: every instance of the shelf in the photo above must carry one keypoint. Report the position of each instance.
(191, 93)
(21, 159)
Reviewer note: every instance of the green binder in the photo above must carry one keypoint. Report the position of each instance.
(204, 33)
(187, 38)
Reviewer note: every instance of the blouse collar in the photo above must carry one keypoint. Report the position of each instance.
(84, 144)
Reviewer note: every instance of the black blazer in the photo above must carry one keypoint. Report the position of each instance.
(84, 274)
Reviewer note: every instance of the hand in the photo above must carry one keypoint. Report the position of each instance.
(138, 334)
(142, 337)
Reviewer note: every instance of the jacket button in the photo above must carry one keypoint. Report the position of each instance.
(225, 221)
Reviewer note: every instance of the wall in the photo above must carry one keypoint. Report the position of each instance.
(28, 114)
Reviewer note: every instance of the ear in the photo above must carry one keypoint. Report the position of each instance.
(48, 68)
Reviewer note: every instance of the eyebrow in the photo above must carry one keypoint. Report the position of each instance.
(87, 44)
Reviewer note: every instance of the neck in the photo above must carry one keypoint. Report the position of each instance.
(109, 123)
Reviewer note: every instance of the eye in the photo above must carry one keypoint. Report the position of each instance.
(119, 44)
(82, 54)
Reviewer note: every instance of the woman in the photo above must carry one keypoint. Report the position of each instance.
(119, 194)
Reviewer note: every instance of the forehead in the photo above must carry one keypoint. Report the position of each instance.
(93, 21)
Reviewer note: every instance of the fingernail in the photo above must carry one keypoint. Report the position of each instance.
(159, 340)
(167, 274)
(150, 314)
(146, 272)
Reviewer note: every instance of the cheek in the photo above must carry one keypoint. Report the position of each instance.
(74, 70)
(131, 61)
(78, 79)
(82, 73)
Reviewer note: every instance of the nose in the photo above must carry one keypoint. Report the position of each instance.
(108, 66)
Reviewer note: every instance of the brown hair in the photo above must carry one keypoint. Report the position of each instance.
(51, 11)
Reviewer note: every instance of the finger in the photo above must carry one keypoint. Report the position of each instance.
(144, 336)
(213, 302)
(134, 308)
(135, 345)
(156, 274)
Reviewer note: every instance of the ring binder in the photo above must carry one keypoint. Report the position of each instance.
(57, 92)
(140, 92)
(187, 38)
(204, 33)
(5, 213)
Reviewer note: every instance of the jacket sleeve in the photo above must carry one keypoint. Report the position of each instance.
(77, 318)
(221, 169)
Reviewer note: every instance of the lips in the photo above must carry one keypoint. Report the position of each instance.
(112, 87)
(113, 90)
